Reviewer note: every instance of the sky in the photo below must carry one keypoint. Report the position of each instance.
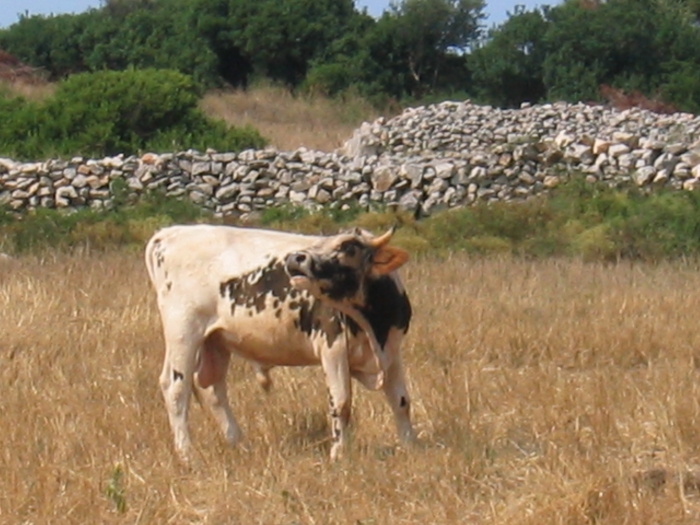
(10, 9)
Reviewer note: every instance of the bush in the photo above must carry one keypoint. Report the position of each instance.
(110, 112)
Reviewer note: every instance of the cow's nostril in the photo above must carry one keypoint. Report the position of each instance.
(300, 258)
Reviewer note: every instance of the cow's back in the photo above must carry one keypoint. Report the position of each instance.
(204, 255)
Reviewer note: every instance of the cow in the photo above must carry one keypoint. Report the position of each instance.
(278, 299)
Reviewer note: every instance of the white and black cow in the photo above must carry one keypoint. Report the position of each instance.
(278, 299)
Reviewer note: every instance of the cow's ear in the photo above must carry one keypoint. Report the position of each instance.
(387, 259)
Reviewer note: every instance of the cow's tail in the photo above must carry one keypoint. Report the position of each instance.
(152, 246)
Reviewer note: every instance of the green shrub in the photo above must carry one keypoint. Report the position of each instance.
(595, 244)
(111, 112)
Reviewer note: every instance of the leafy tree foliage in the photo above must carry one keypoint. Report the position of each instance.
(418, 49)
(409, 52)
(508, 70)
(427, 30)
(567, 52)
(271, 38)
(134, 33)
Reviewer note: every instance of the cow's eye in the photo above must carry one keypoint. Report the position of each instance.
(349, 249)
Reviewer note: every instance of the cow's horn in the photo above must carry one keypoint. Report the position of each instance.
(380, 241)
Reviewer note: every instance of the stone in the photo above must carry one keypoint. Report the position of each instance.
(661, 177)
(64, 196)
(80, 181)
(297, 197)
(551, 181)
(225, 193)
(383, 177)
(644, 175)
(323, 196)
(626, 138)
(198, 197)
(691, 184)
(526, 178)
(676, 148)
(413, 172)
(444, 170)
(600, 146)
(134, 183)
(562, 140)
(695, 172)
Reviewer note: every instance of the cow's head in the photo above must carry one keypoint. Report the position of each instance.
(337, 268)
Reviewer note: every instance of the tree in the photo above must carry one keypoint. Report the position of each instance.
(425, 31)
(50, 43)
(276, 39)
(507, 70)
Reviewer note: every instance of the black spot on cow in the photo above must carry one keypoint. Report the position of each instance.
(385, 308)
(169, 285)
(338, 281)
(158, 253)
(315, 317)
(336, 429)
(252, 289)
(309, 309)
(403, 402)
(178, 376)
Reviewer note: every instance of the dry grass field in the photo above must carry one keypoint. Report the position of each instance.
(551, 392)
(289, 121)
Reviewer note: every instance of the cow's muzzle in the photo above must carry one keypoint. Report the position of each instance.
(299, 267)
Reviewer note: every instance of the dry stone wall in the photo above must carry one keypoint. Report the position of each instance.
(427, 158)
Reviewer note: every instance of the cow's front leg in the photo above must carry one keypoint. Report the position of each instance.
(337, 371)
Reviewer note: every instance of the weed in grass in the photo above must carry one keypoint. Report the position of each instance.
(115, 490)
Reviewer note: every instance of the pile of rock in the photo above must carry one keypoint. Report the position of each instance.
(446, 155)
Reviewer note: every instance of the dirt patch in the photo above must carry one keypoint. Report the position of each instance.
(13, 70)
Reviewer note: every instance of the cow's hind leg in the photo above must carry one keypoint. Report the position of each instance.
(262, 374)
(176, 384)
(211, 385)
(337, 371)
(395, 391)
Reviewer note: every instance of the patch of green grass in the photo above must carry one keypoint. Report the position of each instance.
(592, 222)
(123, 225)
(114, 491)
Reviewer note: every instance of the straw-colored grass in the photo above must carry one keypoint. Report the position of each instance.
(38, 90)
(290, 121)
(549, 392)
